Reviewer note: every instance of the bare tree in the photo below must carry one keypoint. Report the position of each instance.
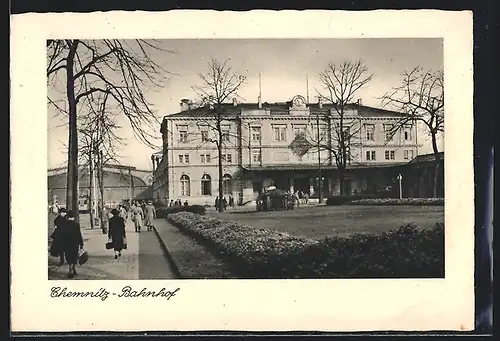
(98, 144)
(218, 84)
(340, 85)
(420, 98)
(121, 69)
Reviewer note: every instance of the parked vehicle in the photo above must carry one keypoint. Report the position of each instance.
(275, 199)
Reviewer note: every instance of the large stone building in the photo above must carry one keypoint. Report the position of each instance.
(277, 144)
(120, 183)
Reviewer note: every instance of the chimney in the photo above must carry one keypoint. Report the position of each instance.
(184, 104)
(320, 102)
(235, 102)
(360, 102)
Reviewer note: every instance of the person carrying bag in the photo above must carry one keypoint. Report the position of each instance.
(116, 235)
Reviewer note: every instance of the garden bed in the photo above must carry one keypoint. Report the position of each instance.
(409, 252)
(165, 211)
(404, 201)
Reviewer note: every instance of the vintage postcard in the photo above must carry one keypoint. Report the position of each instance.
(253, 171)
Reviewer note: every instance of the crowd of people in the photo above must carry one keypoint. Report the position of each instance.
(225, 202)
(67, 237)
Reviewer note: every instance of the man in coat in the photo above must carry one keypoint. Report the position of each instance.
(150, 214)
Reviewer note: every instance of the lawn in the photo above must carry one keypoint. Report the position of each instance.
(342, 221)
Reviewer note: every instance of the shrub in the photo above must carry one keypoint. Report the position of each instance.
(166, 211)
(343, 199)
(404, 201)
(263, 253)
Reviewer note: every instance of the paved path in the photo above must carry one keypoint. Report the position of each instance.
(143, 259)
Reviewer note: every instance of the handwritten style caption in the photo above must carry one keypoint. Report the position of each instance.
(103, 294)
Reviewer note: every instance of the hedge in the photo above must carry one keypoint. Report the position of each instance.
(409, 252)
(166, 211)
(404, 201)
(343, 199)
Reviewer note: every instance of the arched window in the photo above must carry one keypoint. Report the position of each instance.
(185, 186)
(206, 185)
(227, 184)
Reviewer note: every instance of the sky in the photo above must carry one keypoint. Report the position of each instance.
(283, 64)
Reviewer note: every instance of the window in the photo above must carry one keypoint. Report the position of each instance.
(322, 131)
(257, 155)
(206, 185)
(256, 133)
(227, 158)
(408, 154)
(389, 155)
(184, 158)
(370, 155)
(388, 131)
(370, 132)
(279, 133)
(185, 186)
(225, 133)
(204, 135)
(205, 158)
(299, 129)
(183, 134)
(227, 184)
(407, 136)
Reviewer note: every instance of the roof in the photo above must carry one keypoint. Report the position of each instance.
(232, 110)
(426, 158)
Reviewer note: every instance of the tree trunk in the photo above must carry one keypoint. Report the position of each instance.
(436, 166)
(101, 180)
(72, 172)
(341, 181)
(219, 155)
(91, 191)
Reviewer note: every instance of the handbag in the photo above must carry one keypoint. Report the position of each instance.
(109, 244)
(124, 243)
(83, 256)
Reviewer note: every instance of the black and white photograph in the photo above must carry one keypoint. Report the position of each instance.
(242, 162)
(177, 159)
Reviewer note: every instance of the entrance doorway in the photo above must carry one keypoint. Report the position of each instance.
(257, 188)
(301, 184)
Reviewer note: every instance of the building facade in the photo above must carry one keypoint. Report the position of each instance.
(120, 183)
(287, 145)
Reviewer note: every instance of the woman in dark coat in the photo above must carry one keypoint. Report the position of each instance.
(71, 239)
(117, 232)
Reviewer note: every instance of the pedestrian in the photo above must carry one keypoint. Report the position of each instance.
(224, 203)
(150, 215)
(105, 219)
(186, 203)
(296, 199)
(117, 232)
(137, 216)
(231, 201)
(306, 198)
(171, 203)
(123, 212)
(217, 203)
(55, 248)
(71, 240)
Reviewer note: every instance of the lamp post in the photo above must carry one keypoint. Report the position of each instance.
(400, 178)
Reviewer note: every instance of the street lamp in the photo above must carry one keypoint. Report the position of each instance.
(400, 178)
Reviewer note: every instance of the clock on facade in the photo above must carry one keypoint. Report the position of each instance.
(299, 101)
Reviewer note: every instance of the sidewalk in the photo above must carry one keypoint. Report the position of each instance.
(101, 264)
(188, 258)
